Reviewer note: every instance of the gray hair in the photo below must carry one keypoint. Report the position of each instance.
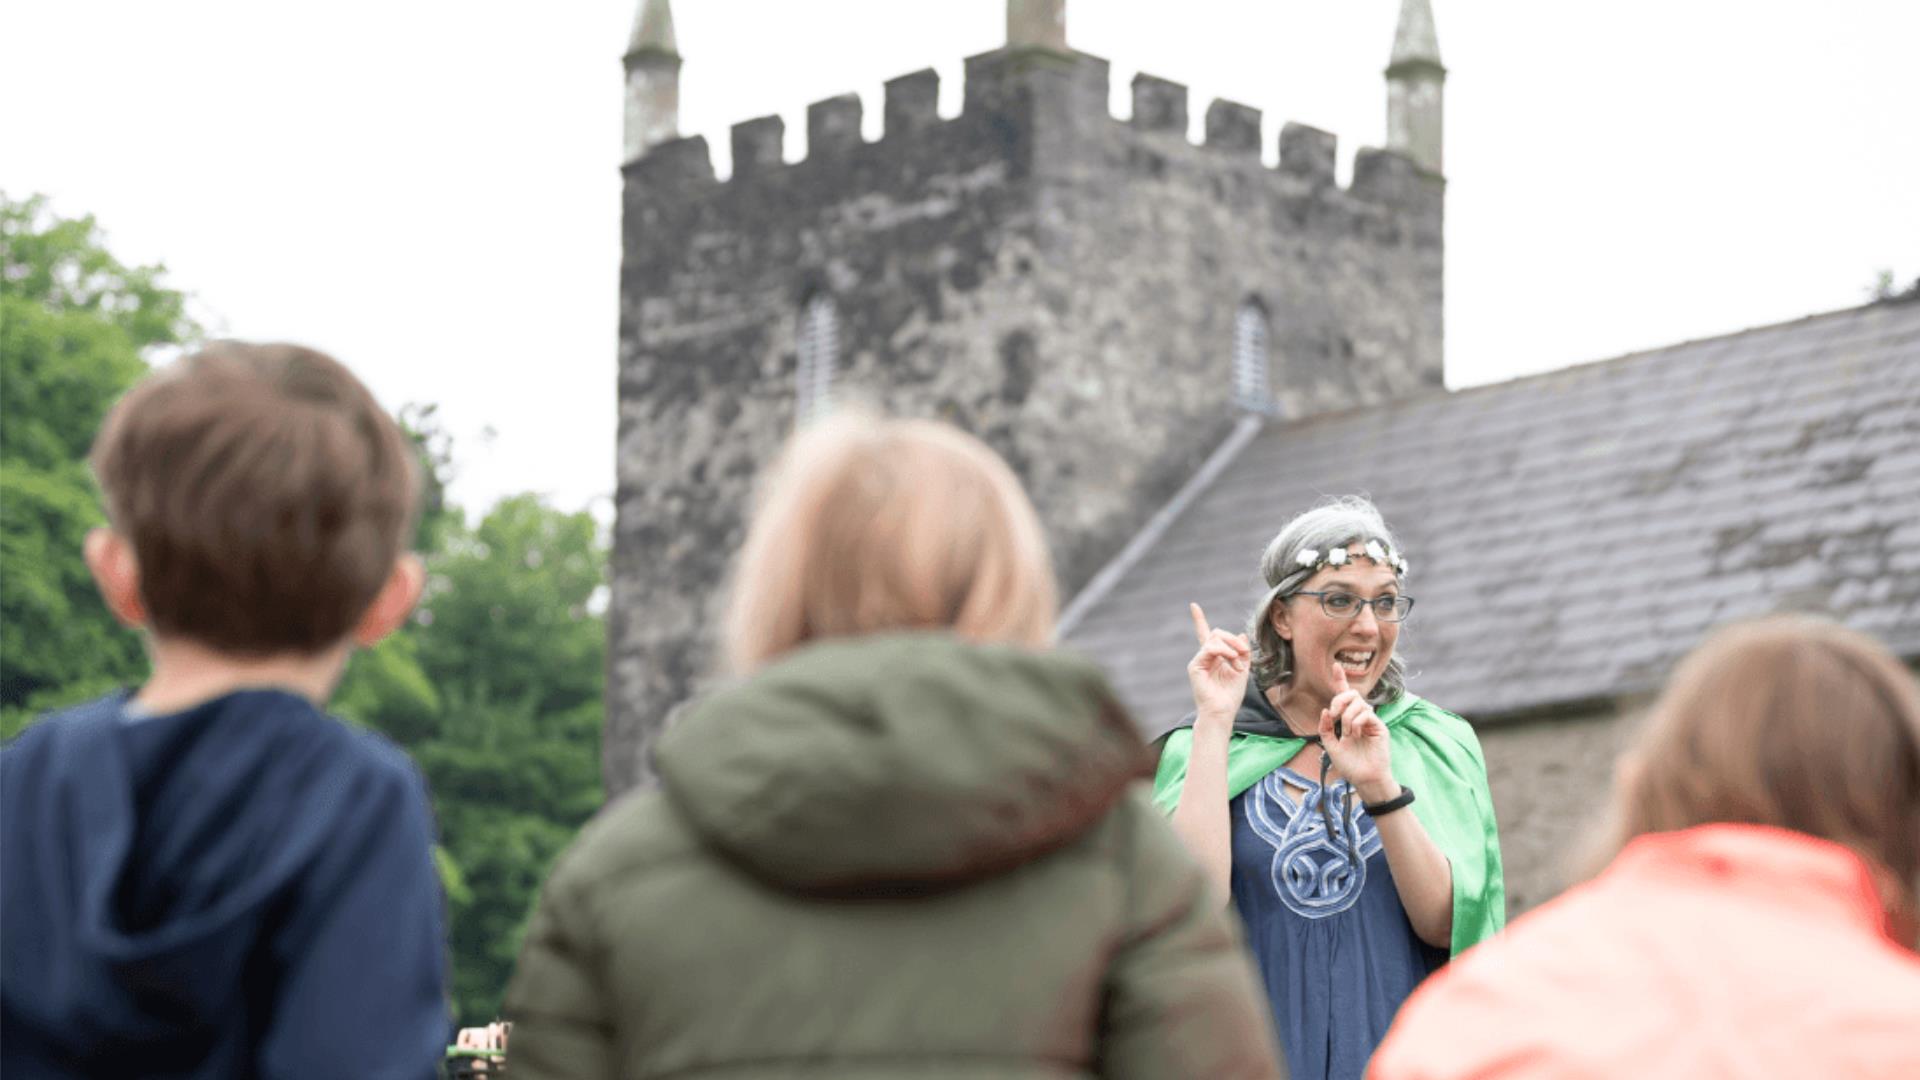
(1350, 519)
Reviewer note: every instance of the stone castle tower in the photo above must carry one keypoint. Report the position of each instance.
(1101, 300)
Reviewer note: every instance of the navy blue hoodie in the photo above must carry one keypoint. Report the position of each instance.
(242, 889)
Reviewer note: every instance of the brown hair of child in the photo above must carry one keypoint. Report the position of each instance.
(264, 493)
(1790, 721)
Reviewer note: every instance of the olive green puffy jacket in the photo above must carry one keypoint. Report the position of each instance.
(893, 856)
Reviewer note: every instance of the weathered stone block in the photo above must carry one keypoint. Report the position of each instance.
(1159, 104)
(833, 125)
(1233, 127)
(758, 145)
(1307, 152)
(913, 102)
(1384, 176)
(674, 163)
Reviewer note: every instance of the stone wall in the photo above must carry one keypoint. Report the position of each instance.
(1551, 779)
(1057, 281)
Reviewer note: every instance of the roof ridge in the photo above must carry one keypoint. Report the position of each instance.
(1442, 393)
(1636, 354)
(1143, 541)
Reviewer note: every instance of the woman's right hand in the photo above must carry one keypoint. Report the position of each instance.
(1218, 674)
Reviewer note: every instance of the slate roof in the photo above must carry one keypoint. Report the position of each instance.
(1573, 533)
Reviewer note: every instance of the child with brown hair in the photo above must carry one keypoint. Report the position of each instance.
(211, 876)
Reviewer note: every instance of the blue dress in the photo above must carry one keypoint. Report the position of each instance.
(1333, 943)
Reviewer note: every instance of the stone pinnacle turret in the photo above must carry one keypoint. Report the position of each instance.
(1037, 24)
(1415, 82)
(653, 80)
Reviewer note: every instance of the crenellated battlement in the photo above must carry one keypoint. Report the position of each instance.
(1233, 128)
(833, 125)
(1308, 153)
(1008, 87)
(912, 102)
(1159, 104)
(759, 146)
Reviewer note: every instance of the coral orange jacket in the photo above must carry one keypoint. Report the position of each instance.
(1719, 951)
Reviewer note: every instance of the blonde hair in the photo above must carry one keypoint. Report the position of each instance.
(868, 525)
(1789, 721)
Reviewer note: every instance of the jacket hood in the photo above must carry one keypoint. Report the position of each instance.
(901, 762)
(144, 851)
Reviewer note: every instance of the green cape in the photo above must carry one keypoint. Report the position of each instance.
(1436, 754)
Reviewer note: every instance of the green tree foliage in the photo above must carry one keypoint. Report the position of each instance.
(74, 322)
(434, 449)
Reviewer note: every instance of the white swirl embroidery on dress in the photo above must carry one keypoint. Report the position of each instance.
(1311, 871)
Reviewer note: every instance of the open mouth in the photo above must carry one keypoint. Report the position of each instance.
(1354, 661)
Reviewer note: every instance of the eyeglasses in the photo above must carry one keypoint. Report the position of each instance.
(1345, 605)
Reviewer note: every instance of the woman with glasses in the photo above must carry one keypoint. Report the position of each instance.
(1347, 819)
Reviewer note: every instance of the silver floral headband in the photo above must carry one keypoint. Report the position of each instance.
(1380, 553)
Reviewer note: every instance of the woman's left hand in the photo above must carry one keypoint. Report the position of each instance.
(1421, 874)
(1360, 751)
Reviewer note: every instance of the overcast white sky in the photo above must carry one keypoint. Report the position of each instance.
(429, 189)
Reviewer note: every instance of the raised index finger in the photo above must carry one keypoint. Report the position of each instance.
(1200, 628)
(1339, 679)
